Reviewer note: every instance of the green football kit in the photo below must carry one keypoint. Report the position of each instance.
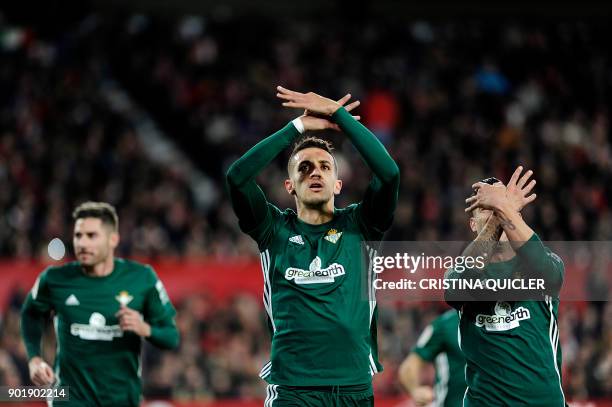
(98, 361)
(318, 291)
(439, 344)
(512, 347)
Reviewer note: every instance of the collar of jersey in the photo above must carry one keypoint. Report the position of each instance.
(321, 227)
(117, 263)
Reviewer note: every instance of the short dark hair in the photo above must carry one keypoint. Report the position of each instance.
(99, 210)
(312, 141)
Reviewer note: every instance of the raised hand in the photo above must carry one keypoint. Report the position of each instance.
(487, 196)
(518, 189)
(313, 118)
(310, 101)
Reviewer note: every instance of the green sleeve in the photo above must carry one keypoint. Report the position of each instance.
(430, 343)
(541, 262)
(33, 313)
(159, 313)
(380, 200)
(248, 200)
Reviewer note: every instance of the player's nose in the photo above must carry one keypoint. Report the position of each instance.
(316, 172)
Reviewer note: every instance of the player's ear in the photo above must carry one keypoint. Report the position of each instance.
(114, 239)
(337, 186)
(289, 187)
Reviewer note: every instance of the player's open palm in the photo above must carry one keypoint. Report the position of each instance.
(310, 101)
(313, 104)
(519, 189)
(41, 373)
(313, 120)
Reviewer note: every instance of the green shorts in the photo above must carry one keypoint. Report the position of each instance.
(360, 395)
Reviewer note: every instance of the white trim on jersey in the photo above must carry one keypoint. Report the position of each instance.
(371, 300)
(553, 336)
(265, 371)
(34, 290)
(441, 388)
(372, 364)
(267, 294)
(460, 313)
(271, 394)
(56, 383)
(425, 336)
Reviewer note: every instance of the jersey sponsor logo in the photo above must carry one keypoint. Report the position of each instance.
(333, 236)
(315, 274)
(124, 298)
(504, 318)
(72, 300)
(297, 239)
(96, 330)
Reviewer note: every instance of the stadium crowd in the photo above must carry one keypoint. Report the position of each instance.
(453, 102)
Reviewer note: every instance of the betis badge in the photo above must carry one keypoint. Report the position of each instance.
(333, 236)
(124, 298)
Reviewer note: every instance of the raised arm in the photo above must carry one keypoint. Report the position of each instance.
(381, 197)
(514, 197)
(507, 202)
(248, 200)
(482, 247)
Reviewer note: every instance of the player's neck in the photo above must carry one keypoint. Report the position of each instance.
(316, 215)
(504, 251)
(101, 269)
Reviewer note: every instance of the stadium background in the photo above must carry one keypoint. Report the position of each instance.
(145, 105)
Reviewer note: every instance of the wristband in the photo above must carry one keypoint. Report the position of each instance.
(298, 125)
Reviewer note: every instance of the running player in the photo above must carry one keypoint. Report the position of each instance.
(438, 344)
(103, 307)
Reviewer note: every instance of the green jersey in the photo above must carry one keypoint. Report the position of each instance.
(323, 327)
(318, 290)
(512, 347)
(97, 360)
(439, 344)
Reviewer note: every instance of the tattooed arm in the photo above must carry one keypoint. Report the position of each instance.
(487, 240)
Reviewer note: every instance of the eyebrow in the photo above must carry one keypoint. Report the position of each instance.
(310, 161)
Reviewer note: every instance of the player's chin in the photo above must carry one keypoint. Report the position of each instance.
(86, 260)
(313, 199)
